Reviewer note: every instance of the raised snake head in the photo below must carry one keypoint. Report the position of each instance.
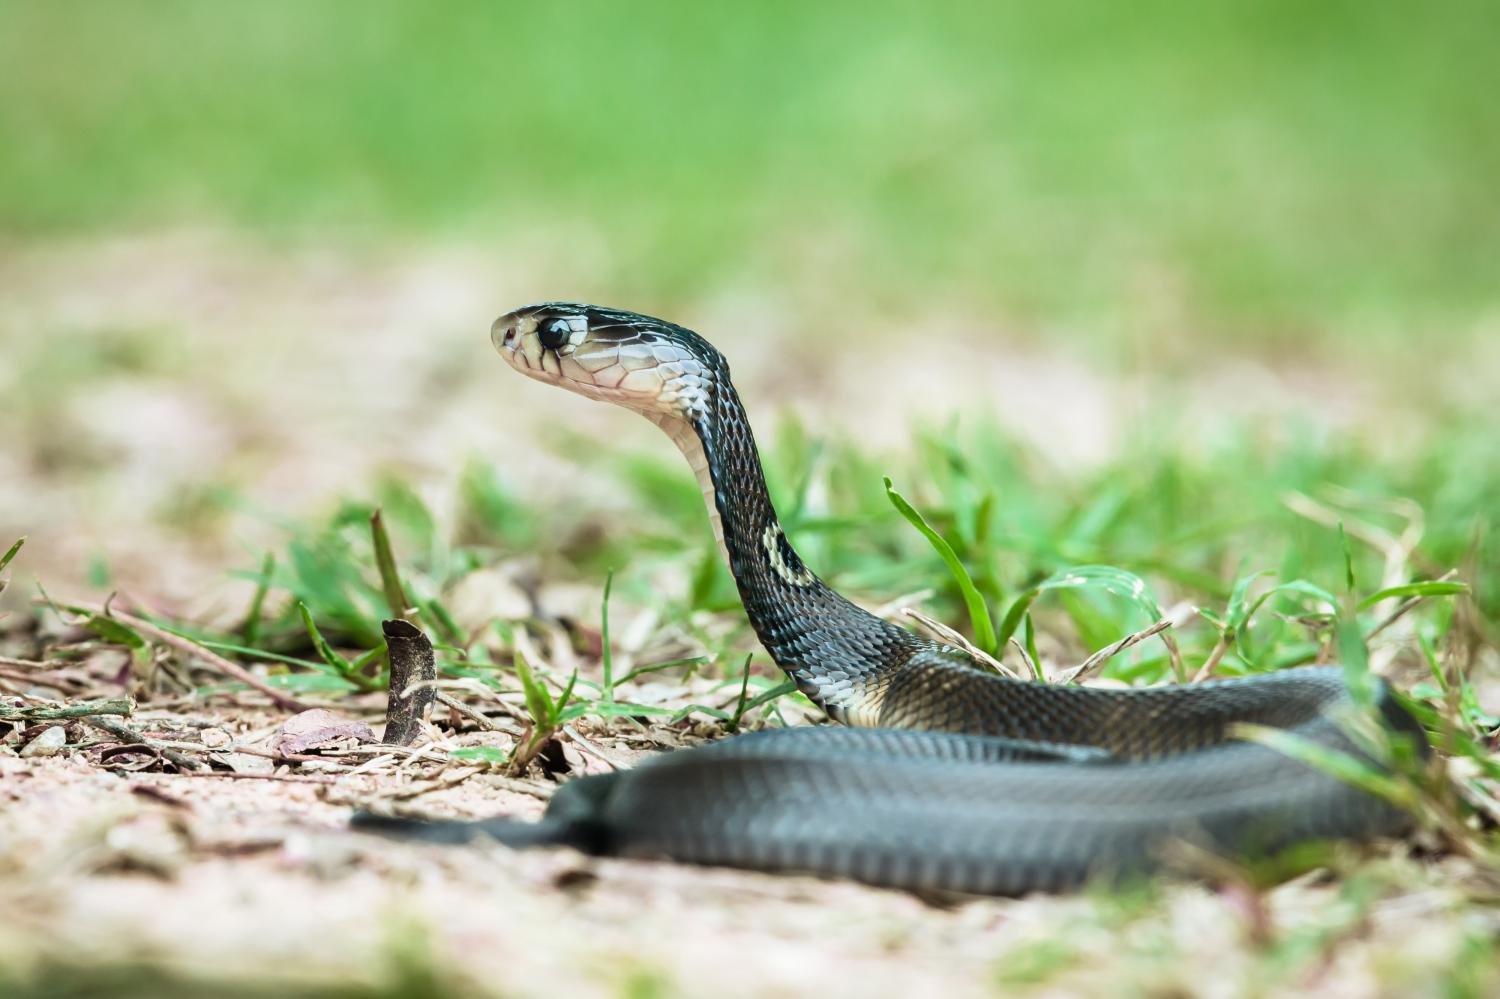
(649, 365)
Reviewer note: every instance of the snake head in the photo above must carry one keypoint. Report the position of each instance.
(648, 365)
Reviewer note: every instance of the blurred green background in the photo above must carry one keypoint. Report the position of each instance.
(1287, 171)
(1154, 192)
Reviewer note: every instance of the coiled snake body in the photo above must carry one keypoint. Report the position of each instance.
(943, 776)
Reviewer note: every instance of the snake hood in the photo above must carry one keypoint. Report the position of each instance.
(649, 365)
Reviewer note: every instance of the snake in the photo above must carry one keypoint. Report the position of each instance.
(938, 774)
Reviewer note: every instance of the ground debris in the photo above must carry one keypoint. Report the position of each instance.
(49, 743)
(320, 728)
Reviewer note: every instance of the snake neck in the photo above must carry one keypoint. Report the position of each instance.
(829, 646)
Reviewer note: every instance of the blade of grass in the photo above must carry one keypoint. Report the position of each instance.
(606, 654)
(739, 706)
(979, 614)
(1105, 577)
(250, 629)
(1431, 588)
(1345, 766)
(11, 553)
(385, 562)
(326, 652)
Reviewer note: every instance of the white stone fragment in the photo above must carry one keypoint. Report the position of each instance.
(49, 743)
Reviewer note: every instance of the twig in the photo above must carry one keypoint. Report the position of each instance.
(192, 648)
(406, 754)
(1031, 665)
(1212, 662)
(25, 663)
(478, 717)
(131, 737)
(1179, 613)
(59, 712)
(56, 680)
(593, 750)
(517, 786)
(1110, 651)
(428, 787)
(373, 764)
(267, 754)
(288, 778)
(898, 605)
(943, 633)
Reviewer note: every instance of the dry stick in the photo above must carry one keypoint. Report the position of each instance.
(132, 737)
(48, 680)
(1178, 613)
(268, 754)
(943, 633)
(192, 648)
(478, 717)
(1110, 651)
(897, 605)
(512, 784)
(373, 764)
(27, 663)
(479, 689)
(288, 778)
(429, 787)
(593, 750)
(1031, 665)
(1212, 662)
(59, 712)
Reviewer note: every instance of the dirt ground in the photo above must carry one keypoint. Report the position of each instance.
(250, 876)
(145, 376)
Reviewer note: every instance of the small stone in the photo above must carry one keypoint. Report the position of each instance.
(215, 738)
(49, 743)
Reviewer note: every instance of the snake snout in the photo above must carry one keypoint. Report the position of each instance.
(505, 332)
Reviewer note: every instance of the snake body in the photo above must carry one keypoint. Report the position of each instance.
(943, 776)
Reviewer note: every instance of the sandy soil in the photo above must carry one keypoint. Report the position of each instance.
(228, 879)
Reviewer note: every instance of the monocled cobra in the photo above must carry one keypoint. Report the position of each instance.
(943, 775)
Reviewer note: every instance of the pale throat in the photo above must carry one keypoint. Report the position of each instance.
(688, 442)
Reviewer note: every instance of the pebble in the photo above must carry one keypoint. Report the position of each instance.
(49, 743)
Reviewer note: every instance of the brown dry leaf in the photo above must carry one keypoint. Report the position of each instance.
(320, 729)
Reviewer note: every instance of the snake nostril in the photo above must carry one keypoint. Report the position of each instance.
(503, 333)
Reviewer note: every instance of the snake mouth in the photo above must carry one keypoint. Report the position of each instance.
(633, 361)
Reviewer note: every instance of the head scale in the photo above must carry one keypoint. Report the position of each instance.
(648, 365)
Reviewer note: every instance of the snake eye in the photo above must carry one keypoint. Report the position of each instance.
(554, 333)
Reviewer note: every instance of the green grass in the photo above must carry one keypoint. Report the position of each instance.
(1257, 170)
(1282, 552)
